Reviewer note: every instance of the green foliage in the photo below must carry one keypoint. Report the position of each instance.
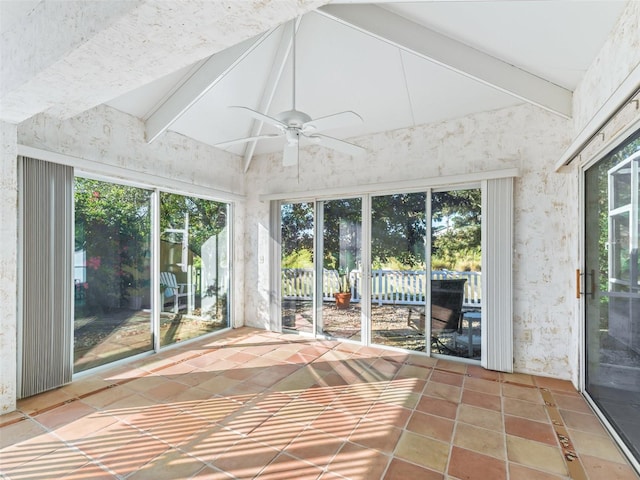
(456, 236)
(205, 218)
(113, 229)
(298, 259)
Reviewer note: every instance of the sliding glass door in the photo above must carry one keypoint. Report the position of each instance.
(340, 250)
(408, 306)
(296, 250)
(112, 258)
(611, 283)
(398, 270)
(114, 290)
(455, 302)
(194, 267)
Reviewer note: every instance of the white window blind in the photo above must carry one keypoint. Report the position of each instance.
(47, 276)
(497, 268)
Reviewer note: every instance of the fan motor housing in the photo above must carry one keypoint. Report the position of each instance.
(293, 118)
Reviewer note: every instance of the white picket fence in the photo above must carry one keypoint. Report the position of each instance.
(403, 287)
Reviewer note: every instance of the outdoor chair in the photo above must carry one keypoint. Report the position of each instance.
(447, 297)
(172, 290)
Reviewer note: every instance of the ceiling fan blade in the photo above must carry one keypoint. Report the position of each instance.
(247, 139)
(262, 117)
(337, 144)
(336, 120)
(290, 154)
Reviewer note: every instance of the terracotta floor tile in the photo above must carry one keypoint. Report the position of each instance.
(315, 446)
(571, 402)
(133, 455)
(481, 385)
(56, 464)
(595, 446)
(19, 432)
(482, 400)
(14, 456)
(65, 414)
(84, 426)
(335, 422)
(598, 468)
(555, 384)
(359, 463)
(389, 414)
(520, 408)
(113, 436)
(447, 377)
(414, 371)
(301, 411)
(520, 472)
(423, 451)
(437, 406)
(517, 378)
(231, 406)
(480, 440)
(538, 431)
(465, 464)
(413, 359)
(245, 459)
(582, 422)
(380, 436)
(285, 467)
(481, 417)
(276, 432)
(450, 366)
(522, 393)
(107, 397)
(432, 426)
(171, 464)
(477, 372)
(401, 470)
(444, 391)
(536, 455)
(210, 443)
(89, 471)
(44, 401)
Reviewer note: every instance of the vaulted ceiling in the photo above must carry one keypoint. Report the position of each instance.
(396, 64)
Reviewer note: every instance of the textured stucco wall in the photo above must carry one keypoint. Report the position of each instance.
(111, 137)
(619, 56)
(8, 265)
(545, 212)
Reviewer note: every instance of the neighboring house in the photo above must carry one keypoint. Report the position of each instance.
(543, 165)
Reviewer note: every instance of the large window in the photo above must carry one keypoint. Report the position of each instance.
(194, 267)
(115, 291)
(383, 293)
(112, 258)
(612, 300)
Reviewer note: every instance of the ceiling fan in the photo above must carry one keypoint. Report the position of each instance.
(295, 125)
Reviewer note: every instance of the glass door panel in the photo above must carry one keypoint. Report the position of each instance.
(398, 271)
(456, 258)
(341, 227)
(112, 258)
(194, 267)
(297, 237)
(612, 300)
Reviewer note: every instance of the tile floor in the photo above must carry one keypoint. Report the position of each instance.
(253, 404)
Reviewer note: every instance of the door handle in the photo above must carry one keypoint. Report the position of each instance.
(579, 291)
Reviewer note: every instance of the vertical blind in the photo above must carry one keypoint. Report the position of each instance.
(497, 268)
(47, 276)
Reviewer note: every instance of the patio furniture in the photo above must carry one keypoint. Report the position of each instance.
(446, 312)
(172, 290)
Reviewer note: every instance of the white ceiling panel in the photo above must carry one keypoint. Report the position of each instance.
(555, 40)
(339, 66)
